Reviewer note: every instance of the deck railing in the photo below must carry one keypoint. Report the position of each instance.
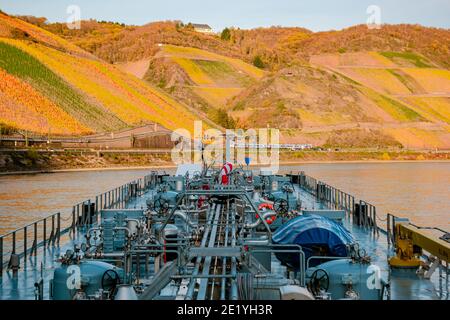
(361, 212)
(24, 242)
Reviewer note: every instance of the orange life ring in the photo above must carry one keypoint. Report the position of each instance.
(271, 220)
(266, 206)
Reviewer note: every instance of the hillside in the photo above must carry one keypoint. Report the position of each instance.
(200, 78)
(117, 43)
(277, 46)
(51, 85)
(407, 78)
(356, 87)
(322, 107)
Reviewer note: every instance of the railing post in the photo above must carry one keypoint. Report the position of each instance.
(73, 221)
(1, 257)
(366, 213)
(361, 213)
(353, 206)
(45, 232)
(388, 227)
(52, 234)
(25, 236)
(87, 215)
(123, 196)
(14, 243)
(35, 242)
(375, 225)
(58, 221)
(78, 221)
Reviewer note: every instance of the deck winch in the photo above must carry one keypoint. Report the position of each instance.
(410, 243)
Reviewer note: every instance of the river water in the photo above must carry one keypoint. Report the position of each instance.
(418, 190)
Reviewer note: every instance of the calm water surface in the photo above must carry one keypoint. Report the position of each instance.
(420, 191)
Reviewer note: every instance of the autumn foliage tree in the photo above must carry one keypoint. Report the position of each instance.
(226, 34)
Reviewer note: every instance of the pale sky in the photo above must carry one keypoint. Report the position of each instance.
(316, 15)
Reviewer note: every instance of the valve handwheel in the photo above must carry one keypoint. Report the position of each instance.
(281, 206)
(320, 281)
(161, 205)
(110, 280)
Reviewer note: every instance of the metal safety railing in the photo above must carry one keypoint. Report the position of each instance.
(24, 242)
(361, 212)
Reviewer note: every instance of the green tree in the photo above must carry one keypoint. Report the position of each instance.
(221, 117)
(257, 62)
(226, 34)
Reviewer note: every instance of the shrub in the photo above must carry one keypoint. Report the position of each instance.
(221, 117)
(226, 34)
(257, 62)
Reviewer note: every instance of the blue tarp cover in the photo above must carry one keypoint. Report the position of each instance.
(310, 231)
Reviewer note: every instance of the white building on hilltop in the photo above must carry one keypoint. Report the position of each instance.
(203, 28)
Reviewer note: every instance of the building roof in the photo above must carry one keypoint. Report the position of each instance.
(201, 26)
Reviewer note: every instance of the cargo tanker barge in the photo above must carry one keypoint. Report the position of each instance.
(224, 233)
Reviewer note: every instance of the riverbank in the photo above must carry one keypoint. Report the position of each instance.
(41, 161)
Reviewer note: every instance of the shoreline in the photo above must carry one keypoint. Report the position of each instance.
(172, 166)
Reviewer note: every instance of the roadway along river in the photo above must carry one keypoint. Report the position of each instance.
(419, 190)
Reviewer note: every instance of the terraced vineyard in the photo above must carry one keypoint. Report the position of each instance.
(30, 70)
(73, 93)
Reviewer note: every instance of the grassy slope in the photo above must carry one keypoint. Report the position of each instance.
(214, 78)
(409, 87)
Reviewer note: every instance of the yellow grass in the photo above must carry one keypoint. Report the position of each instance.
(380, 79)
(195, 72)
(417, 138)
(383, 61)
(194, 53)
(432, 80)
(396, 109)
(314, 119)
(217, 96)
(434, 108)
(247, 68)
(355, 59)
